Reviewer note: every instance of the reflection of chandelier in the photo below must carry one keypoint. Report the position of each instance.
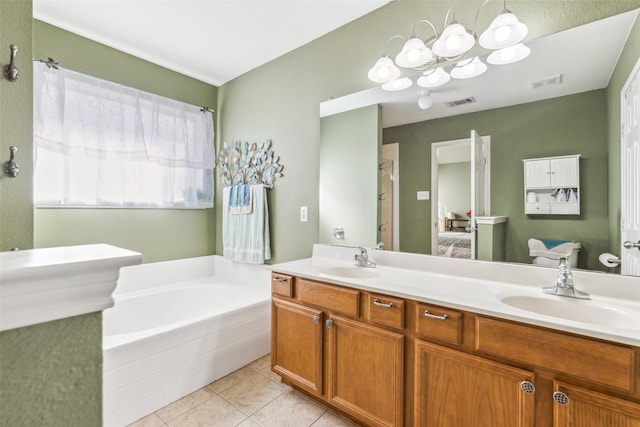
(449, 49)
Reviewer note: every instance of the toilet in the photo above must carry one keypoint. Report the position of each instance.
(549, 251)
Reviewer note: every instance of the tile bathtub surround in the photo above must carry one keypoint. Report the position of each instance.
(252, 396)
(143, 376)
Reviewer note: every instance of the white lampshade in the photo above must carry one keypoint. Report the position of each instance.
(505, 30)
(414, 53)
(508, 55)
(454, 41)
(425, 101)
(384, 71)
(433, 78)
(398, 84)
(468, 68)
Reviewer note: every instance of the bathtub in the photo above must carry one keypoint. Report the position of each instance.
(176, 326)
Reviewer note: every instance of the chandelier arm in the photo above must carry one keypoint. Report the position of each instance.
(427, 22)
(446, 17)
(475, 22)
(386, 46)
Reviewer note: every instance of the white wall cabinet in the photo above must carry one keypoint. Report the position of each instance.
(552, 185)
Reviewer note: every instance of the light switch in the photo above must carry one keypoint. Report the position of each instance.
(423, 195)
(304, 214)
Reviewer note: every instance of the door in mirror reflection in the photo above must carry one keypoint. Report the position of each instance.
(460, 191)
(389, 195)
(630, 209)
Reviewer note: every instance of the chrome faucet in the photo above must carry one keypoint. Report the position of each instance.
(564, 285)
(362, 259)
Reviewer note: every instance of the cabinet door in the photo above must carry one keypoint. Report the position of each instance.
(296, 344)
(454, 389)
(564, 172)
(537, 174)
(365, 366)
(580, 407)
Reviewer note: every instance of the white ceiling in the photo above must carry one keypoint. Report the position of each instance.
(211, 40)
(584, 56)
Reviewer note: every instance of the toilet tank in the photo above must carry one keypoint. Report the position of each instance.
(572, 261)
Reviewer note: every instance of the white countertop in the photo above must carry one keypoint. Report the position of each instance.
(478, 287)
(40, 285)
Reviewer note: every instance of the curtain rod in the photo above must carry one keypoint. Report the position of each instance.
(49, 62)
(52, 63)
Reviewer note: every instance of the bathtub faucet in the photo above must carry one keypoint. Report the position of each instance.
(564, 285)
(362, 259)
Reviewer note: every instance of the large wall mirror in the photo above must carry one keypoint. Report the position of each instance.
(561, 100)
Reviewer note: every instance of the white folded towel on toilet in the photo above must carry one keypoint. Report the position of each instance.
(538, 248)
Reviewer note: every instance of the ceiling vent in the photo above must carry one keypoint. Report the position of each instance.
(550, 81)
(462, 102)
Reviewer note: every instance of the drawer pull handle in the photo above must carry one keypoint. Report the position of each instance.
(316, 319)
(377, 302)
(329, 323)
(428, 314)
(280, 279)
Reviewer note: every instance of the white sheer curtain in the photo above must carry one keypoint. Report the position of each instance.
(102, 144)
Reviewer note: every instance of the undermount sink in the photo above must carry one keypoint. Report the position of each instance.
(349, 272)
(586, 311)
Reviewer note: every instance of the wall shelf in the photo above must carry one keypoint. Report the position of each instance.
(552, 185)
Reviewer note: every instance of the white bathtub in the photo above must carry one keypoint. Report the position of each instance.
(177, 326)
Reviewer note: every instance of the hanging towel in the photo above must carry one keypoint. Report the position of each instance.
(551, 248)
(240, 200)
(245, 238)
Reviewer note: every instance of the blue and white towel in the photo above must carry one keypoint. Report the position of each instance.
(240, 200)
(245, 238)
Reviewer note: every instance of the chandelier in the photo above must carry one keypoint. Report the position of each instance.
(429, 57)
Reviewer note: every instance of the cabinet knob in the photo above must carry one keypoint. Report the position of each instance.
(560, 398)
(329, 323)
(316, 319)
(527, 387)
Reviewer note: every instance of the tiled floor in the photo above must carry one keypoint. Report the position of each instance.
(251, 396)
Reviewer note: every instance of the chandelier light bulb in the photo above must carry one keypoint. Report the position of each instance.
(505, 30)
(414, 53)
(509, 55)
(433, 78)
(384, 71)
(454, 41)
(398, 84)
(468, 68)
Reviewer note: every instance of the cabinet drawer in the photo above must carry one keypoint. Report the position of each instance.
(334, 298)
(600, 362)
(282, 284)
(386, 311)
(566, 208)
(537, 208)
(439, 323)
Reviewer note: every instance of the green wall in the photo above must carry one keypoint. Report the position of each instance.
(16, 107)
(159, 234)
(568, 125)
(628, 58)
(349, 151)
(51, 374)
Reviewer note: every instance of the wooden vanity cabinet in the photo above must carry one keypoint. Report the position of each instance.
(387, 361)
(453, 388)
(323, 344)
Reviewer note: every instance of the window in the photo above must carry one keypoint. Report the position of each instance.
(100, 144)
